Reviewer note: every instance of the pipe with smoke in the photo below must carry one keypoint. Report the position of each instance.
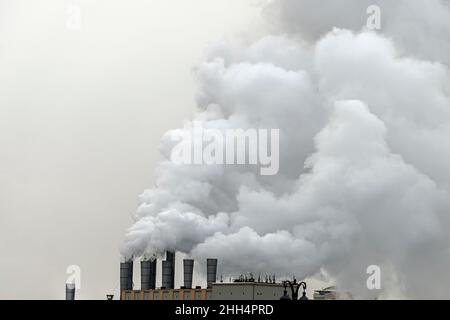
(188, 270)
(70, 291)
(364, 176)
(148, 274)
(211, 272)
(126, 275)
(168, 271)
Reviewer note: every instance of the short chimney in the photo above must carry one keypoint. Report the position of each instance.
(188, 270)
(70, 291)
(148, 274)
(211, 272)
(126, 275)
(168, 271)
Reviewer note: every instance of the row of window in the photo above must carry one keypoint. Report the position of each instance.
(163, 296)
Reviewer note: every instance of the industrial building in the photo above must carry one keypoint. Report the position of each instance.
(246, 287)
(246, 291)
(167, 291)
(241, 289)
(167, 294)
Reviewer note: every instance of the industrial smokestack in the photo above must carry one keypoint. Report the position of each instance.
(211, 272)
(170, 256)
(126, 275)
(70, 291)
(168, 270)
(166, 274)
(188, 270)
(148, 274)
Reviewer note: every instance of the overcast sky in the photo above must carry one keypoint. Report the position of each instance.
(81, 116)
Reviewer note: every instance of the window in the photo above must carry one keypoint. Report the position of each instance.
(145, 295)
(156, 296)
(175, 296)
(165, 296)
(187, 296)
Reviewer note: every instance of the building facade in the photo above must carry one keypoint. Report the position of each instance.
(218, 291)
(167, 294)
(246, 291)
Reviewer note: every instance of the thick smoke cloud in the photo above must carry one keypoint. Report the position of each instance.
(419, 27)
(364, 179)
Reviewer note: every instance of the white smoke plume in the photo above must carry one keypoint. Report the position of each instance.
(364, 119)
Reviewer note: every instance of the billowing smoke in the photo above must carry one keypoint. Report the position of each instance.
(364, 171)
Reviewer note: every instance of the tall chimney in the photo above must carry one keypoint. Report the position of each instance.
(70, 291)
(188, 270)
(168, 270)
(211, 272)
(170, 256)
(148, 274)
(126, 275)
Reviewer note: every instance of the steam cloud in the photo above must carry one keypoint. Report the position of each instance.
(364, 151)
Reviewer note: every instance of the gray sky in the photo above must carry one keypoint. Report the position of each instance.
(81, 116)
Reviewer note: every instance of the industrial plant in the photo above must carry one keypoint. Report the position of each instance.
(243, 288)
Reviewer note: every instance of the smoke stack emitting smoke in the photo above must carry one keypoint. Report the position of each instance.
(364, 178)
(188, 270)
(148, 274)
(70, 291)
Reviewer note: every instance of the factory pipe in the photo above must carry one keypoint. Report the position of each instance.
(188, 270)
(168, 271)
(70, 291)
(126, 275)
(170, 256)
(211, 272)
(166, 274)
(148, 274)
